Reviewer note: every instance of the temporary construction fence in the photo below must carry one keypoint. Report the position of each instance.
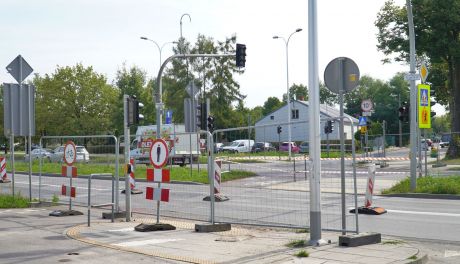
(96, 154)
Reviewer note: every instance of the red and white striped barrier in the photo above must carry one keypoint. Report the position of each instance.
(217, 175)
(370, 186)
(159, 176)
(69, 172)
(157, 194)
(132, 178)
(3, 175)
(68, 191)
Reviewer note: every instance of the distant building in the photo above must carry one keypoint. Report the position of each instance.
(300, 131)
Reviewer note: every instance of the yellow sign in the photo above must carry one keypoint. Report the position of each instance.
(363, 129)
(423, 72)
(424, 106)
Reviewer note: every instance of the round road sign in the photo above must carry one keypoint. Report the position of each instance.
(367, 105)
(341, 74)
(159, 153)
(70, 153)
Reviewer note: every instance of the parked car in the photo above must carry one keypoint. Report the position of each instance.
(39, 152)
(303, 148)
(445, 140)
(58, 154)
(285, 147)
(262, 146)
(218, 147)
(241, 145)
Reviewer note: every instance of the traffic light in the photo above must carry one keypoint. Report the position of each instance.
(329, 127)
(404, 112)
(240, 55)
(279, 129)
(133, 110)
(210, 124)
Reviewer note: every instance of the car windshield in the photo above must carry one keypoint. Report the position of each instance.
(80, 149)
(285, 144)
(259, 145)
(234, 144)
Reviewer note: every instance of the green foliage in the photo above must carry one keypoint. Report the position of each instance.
(55, 199)
(302, 254)
(270, 105)
(297, 243)
(74, 101)
(8, 201)
(433, 185)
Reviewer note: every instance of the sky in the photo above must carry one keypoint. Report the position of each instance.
(105, 34)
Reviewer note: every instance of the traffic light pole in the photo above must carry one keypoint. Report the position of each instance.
(126, 145)
(413, 101)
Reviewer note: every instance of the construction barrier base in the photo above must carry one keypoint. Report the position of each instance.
(133, 191)
(361, 239)
(5, 180)
(59, 213)
(108, 215)
(217, 197)
(154, 227)
(216, 227)
(369, 210)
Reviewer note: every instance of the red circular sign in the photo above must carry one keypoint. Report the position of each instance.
(159, 153)
(70, 153)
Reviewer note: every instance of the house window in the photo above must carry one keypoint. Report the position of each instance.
(295, 114)
(272, 117)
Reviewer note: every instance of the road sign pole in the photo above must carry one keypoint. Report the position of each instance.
(413, 101)
(127, 157)
(12, 140)
(342, 143)
(315, 135)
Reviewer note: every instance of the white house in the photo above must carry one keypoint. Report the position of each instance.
(266, 127)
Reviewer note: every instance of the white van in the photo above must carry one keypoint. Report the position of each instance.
(240, 145)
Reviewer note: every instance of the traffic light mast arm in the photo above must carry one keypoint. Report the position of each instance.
(158, 95)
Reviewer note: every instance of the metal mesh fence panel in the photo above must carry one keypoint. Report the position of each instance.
(94, 155)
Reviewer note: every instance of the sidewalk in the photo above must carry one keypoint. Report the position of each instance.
(242, 244)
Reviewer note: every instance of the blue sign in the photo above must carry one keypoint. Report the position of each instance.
(362, 121)
(168, 117)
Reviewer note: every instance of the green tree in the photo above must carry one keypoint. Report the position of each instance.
(74, 101)
(270, 105)
(437, 29)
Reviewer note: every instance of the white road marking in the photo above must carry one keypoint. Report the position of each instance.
(423, 213)
(145, 242)
(53, 185)
(129, 229)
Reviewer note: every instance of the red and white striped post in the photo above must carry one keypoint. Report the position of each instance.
(158, 176)
(370, 186)
(69, 172)
(3, 175)
(217, 176)
(132, 179)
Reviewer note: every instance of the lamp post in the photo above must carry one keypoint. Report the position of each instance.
(160, 49)
(288, 99)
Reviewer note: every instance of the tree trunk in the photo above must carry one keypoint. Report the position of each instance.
(454, 146)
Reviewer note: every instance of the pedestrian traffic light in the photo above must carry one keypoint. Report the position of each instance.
(279, 129)
(133, 114)
(404, 112)
(240, 55)
(210, 124)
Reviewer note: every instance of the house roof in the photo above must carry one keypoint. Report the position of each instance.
(324, 109)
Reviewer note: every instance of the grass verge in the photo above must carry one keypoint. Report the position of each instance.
(297, 243)
(431, 185)
(302, 254)
(176, 173)
(8, 201)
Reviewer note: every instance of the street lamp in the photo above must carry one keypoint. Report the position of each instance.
(158, 46)
(288, 99)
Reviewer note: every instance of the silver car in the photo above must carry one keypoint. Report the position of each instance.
(58, 154)
(39, 152)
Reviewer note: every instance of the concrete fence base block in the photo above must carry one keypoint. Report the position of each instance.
(216, 227)
(60, 213)
(361, 239)
(154, 227)
(108, 215)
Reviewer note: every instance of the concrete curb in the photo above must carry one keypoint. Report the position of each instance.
(419, 260)
(423, 196)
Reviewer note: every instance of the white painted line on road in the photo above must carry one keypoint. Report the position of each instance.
(146, 242)
(423, 213)
(129, 229)
(53, 185)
